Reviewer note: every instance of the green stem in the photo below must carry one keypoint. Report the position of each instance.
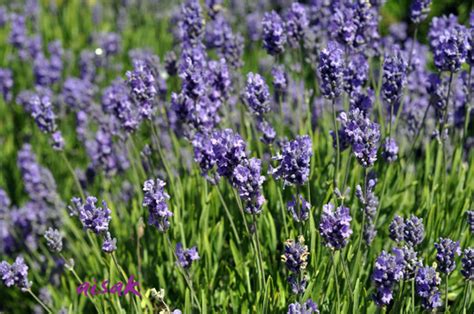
(337, 281)
(73, 173)
(229, 216)
(334, 117)
(39, 301)
(446, 301)
(348, 278)
(259, 252)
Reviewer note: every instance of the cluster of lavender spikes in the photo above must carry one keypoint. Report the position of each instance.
(335, 226)
(15, 274)
(410, 230)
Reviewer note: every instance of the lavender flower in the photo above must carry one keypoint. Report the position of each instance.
(370, 203)
(155, 198)
(171, 65)
(470, 220)
(331, 71)
(54, 240)
(15, 274)
(268, 133)
(394, 77)
(18, 35)
(229, 149)
(41, 109)
(390, 150)
(248, 181)
(116, 100)
(362, 134)
(257, 95)
(295, 255)
(410, 261)
(335, 226)
(280, 82)
(192, 22)
(446, 249)
(233, 50)
(450, 48)
(419, 10)
(308, 307)
(387, 272)
(414, 231)
(294, 161)
(356, 73)
(426, 285)
(78, 94)
(296, 23)
(141, 82)
(186, 256)
(38, 181)
(96, 219)
(219, 80)
(299, 209)
(397, 229)
(468, 264)
(274, 34)
(109, 245)
(297, 284)
(6, 84)
(109, 42)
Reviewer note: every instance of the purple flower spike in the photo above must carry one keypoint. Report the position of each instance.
(96, 219)
(390, 150)
(15, 274)
(294, 161)
(295, 255)
(335, 226)
(257, 94)
(247, 179)
(299, 209)
(470, 220)
(296, 23)
(414, 231)
(186, 256)
(155, 199)
(387, 272)
(468, 264)
(426, 285)
(6, 84)
(419, 10)
(446, 249)
(331, 70)
(274, 34)
(309, 307)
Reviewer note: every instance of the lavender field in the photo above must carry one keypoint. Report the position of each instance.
(227, 156)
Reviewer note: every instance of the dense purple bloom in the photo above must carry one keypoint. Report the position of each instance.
(297, 284)
(15, 274)
(78, 93)
(247, 179)
(94, 218)
(299, 209)
(410, 261)
(233, 50)
(54, 240)
(257, 94)
(155, 198)
(387, 272)
(294, 161)
(219, 80)
(331, 70)
(38, 181)
(6, 84)
(335, 226)
(446, 249)
(18, 37)
(186, 256)
(470, 220)
(280, 82)
(370, 202)
(362, 101)
(470, 53)
(394, 77)
(467, 262)
(356, 73)
(217, 30)
(110, 244)
(268, 133)
(414, 231)
(308, 307)
(41, 109)
(354, 24)
(426, 285)
(105, 154)
(274, 34)
(229, 149)
(141, 82)
(116, 100)
(397, 229)
(296, 23)
(419, 10)
(295, 255)
(109, 42)
(362, 134)
(450, 44)
(390, 150)
(191, 23)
